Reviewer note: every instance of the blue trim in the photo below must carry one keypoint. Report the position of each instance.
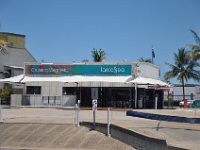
(163, 117)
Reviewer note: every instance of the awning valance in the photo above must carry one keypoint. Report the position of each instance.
(149, 81)
(119, 79)
(65, 79)
(14, 79)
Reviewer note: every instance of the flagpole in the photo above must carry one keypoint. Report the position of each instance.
(152, 54)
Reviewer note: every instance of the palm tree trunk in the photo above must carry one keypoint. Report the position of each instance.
(183, 85)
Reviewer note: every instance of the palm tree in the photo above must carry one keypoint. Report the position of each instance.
(183, 69)
(3, 47)
(98, 55)
(195, 49)
(145, 60)
(85, 60)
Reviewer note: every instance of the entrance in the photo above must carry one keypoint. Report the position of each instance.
(86, 97)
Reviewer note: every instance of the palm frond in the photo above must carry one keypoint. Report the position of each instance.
(196, 37)
(98, 55)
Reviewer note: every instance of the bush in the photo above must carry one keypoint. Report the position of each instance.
(6, 92)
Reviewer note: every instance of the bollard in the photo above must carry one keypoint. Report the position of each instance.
(75, 117)
(1, 115)
(78, 112)
(94, 117)
(108, 122)
(94, 108)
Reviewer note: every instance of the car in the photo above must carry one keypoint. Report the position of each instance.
(189, 103)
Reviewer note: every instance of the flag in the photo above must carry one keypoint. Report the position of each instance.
(153, 54)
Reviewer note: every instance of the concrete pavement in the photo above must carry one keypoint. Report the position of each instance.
(181, 135)
(55, 136)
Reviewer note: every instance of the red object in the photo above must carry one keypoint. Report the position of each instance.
(185, 103)
(165, 89)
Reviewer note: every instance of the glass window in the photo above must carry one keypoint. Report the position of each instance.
(33, 90)
(69, 90)
(120, 94)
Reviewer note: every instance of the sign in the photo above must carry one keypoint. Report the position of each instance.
(94, 104)
(64, 70)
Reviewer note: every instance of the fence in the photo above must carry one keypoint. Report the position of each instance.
(42, 101)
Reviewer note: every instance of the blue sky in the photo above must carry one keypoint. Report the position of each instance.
(67, 30)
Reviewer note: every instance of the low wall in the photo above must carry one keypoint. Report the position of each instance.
(134, 139)
(15, 100)
(163, 117)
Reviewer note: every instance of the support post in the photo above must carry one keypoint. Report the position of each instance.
(108, 122)
(1, 115)
(156, 103)
(135, 95)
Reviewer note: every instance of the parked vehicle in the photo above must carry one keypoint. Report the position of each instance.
(189, 103)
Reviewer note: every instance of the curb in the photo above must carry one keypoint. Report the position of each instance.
(134, 139)
(163, 117)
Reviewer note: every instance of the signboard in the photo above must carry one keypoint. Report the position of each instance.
(94, 104)
(64, 70)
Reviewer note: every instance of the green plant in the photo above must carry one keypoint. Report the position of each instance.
(183, 68)
(98, 55)
(195, 48)
(6, 91)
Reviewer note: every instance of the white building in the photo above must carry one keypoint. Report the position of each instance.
(65, 83)
(192, 92)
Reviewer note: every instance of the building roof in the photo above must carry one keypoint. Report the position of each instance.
(16, 57)
(8, 33)
(149, 81)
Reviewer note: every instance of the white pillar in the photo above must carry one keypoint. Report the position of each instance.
(156, 102)
(135, 95)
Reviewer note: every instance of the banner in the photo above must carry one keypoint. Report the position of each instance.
(64, 70)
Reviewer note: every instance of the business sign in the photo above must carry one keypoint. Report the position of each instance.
(64, 70)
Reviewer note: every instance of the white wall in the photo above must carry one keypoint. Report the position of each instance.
(16, 57)
(178, 92)
(197, 92)
(16, 100)
(147, 70)
(47, 88)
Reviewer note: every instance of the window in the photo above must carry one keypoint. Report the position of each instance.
(69, 90)
(120, 94)
(33, 90)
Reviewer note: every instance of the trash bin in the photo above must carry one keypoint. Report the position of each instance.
(185, 103)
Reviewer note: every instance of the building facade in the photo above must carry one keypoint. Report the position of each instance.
(13, 55)
(192, 92)
(64, 84)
